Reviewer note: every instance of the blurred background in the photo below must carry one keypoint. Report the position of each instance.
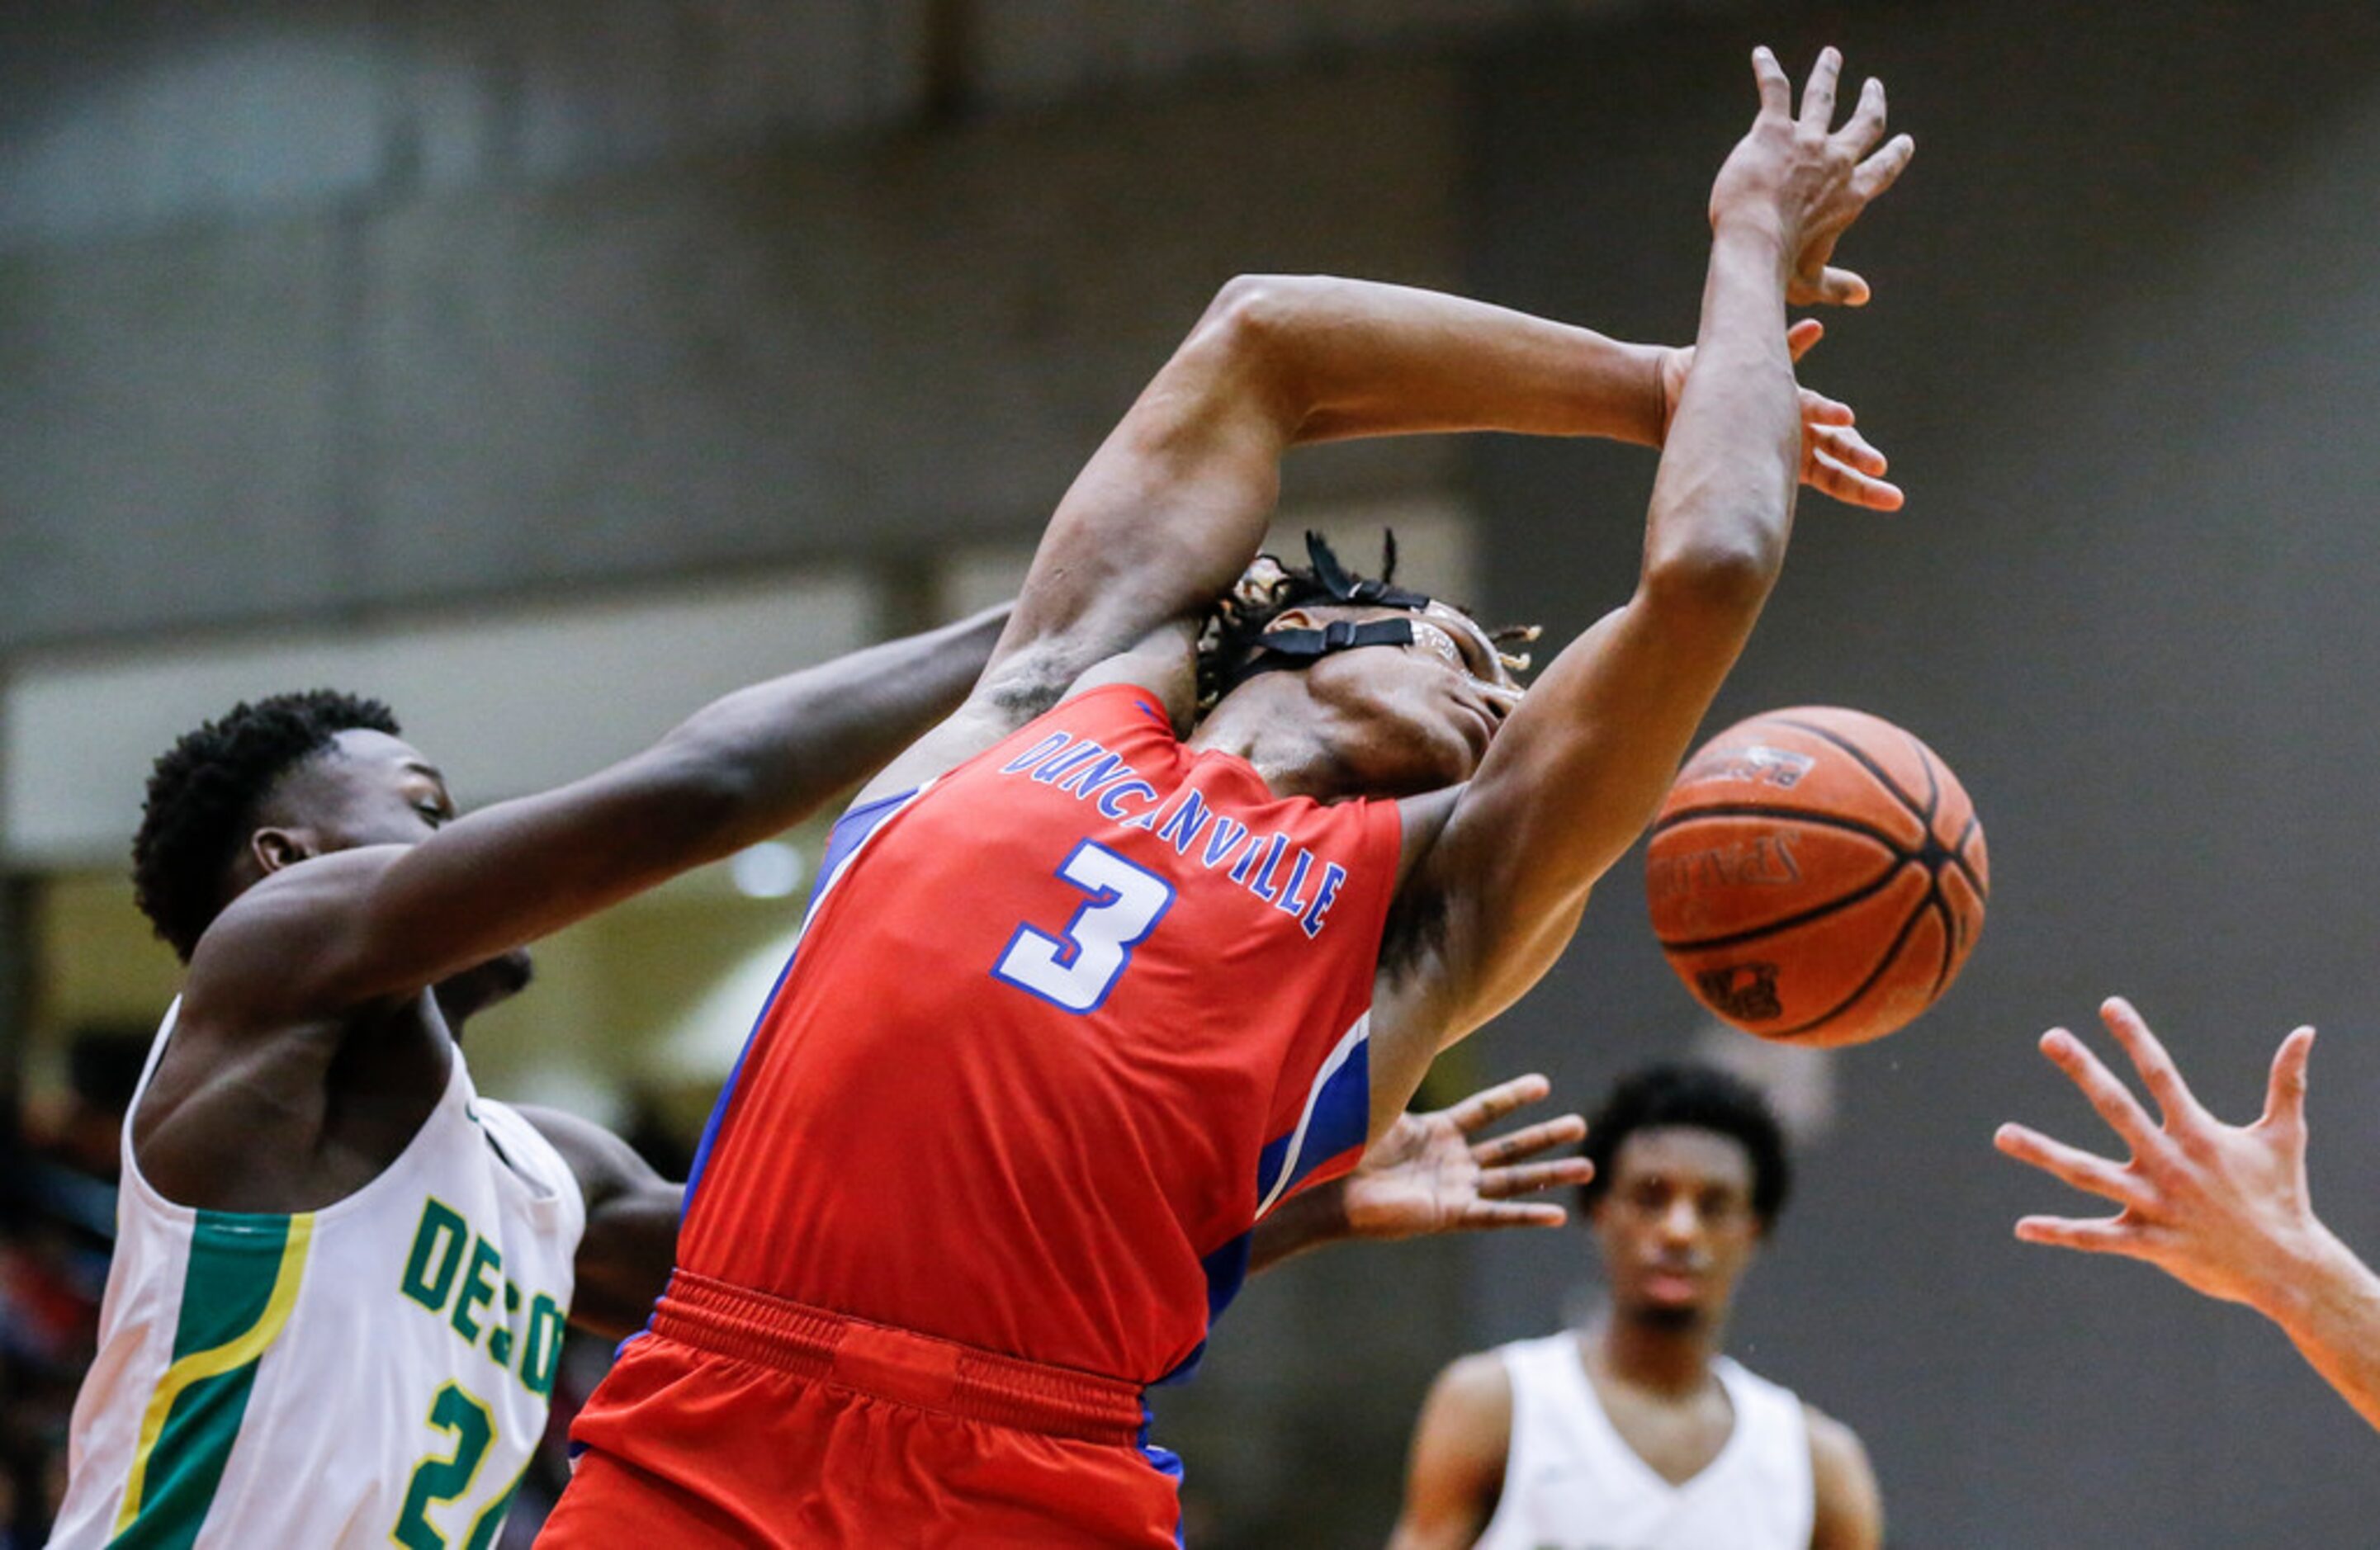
(547, 368)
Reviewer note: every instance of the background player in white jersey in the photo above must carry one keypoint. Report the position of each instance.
(326, 1324)
(1636, 1432)
(2224, 1209)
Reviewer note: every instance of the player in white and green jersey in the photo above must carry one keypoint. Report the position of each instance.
(337, 1306)
(378, 1368)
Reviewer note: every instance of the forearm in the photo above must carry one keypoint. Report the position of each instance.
(1171, 510)
(1580, 766)
(786, 747)
(1305, 1220)
(1723, 501)
(2328, 1304)
(1360, 358)
(624, 1261)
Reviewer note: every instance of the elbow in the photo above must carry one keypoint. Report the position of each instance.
(1257, 311)
(1258, 330)
(1718, 577)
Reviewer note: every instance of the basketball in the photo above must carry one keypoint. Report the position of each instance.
(1817, 875)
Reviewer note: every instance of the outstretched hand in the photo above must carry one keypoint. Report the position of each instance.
(1796, 175)
(1836, 459)
(1426, 1174)
(2222, 1209)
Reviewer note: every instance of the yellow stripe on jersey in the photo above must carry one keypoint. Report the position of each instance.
(226, 1356)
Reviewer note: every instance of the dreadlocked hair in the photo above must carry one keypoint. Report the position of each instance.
(204, 793)
(1234, 627)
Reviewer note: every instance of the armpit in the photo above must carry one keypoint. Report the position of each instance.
(1414, 935)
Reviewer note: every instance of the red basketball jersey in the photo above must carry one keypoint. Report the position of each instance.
(1062, 1026)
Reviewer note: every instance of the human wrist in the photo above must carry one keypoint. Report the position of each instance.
(1305, 1220)
(1753, 231)
(2306, 1269)
(1650, 366)
(1322, 1214)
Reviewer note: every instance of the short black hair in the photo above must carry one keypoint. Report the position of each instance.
(205, 790)
(1706, 1097)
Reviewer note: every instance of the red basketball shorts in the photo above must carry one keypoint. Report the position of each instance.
(743, 1420)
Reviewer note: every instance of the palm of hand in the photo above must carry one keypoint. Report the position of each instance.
(2224, 1209)
(1433, 1173)
(1419, 1178)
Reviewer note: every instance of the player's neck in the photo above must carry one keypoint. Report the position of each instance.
(1671, 1360)
(1285, 750)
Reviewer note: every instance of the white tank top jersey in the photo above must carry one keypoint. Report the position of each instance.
(374, 1373)
(1571, 1483)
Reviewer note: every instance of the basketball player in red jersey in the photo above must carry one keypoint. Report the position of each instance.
(1079, 1000)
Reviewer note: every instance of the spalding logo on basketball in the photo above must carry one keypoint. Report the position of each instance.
(1817, 875)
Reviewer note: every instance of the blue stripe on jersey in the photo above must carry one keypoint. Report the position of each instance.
(850, 831)
(1339, 1116)
(727, 1094)
(1226, 1271)
(1165, 1461)
(1343, 1114)
(1268, 1161)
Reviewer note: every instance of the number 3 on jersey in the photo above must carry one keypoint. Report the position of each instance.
(1077, 969)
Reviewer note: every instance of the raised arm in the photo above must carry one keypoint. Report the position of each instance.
(1170, 511)
(324, 933)
(1171, 507)
(2224, 1209)
(1502, 867)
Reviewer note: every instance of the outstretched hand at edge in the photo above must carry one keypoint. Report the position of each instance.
(2222, 1209)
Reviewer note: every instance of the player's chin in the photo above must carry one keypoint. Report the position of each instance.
(1665, 1313)
(1430, 757)
(1467, 736)
(1406, 746)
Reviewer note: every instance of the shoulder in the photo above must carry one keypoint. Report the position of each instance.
(1021, 689)
(1473, 1393)
(1456, 1470)
(1164, 664)
(1833, 1445)
(1849, 1507)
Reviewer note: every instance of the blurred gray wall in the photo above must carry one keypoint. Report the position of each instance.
(314, 311)
(2125, 350)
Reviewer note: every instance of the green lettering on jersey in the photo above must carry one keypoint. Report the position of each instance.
(500, 1340)
(439, 1241)
(454, 1410)
(542, 1345)
(478, 1289)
